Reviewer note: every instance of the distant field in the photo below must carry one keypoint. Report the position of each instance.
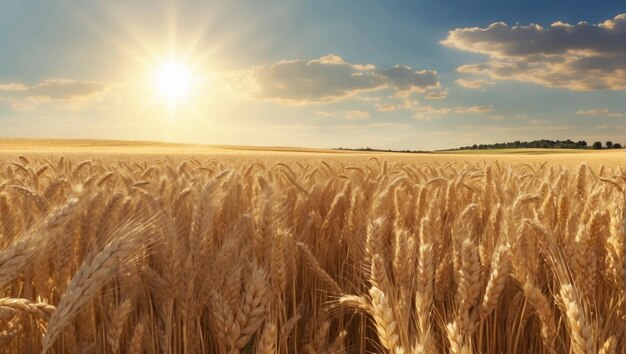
(146, 150)
(121, 146)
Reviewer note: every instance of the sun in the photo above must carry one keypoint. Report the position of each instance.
(173, 81)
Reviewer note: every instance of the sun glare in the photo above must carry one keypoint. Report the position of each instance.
(173, 81)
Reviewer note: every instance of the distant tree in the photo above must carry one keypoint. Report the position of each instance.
(543, 143)
(617, 146)
(609, 144)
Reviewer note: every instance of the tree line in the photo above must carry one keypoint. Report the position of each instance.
(538, 144)
(544, 144)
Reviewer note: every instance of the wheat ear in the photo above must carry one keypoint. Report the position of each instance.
(97, 271)
(580, 330)
(35, 240)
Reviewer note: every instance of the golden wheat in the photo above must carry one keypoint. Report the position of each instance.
(239, 256)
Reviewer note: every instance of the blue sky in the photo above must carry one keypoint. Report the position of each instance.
(384, 74)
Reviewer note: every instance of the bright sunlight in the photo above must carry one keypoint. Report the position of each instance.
(173, 81)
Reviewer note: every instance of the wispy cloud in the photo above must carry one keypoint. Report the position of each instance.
(19, 105)
(472, 109)
(530, 128)
(599, 112)
(612, 127)
(53, 89)
(323, 114)
(404, 104)
(388, 107)
(578, 57)
(473, 84)
(428, 111)
(68, 94)
(373, 126)
(436, 95)
(357, 115)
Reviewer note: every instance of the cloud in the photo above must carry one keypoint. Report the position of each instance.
(407, 103)
(368, 98)
(333, 60)
(473, 84)
(599, 112)
(428, 111)
(373, 125)
(404, 80)
(20, 106)
(326, 79)
(388, 107)
(330, 79)
(53, 89)
(577, 57)
(70, 94)
(473, 109)
(612, 127)
(357, 115)
(436, 95)
(12, 87)
(352, 114)
(542, 128)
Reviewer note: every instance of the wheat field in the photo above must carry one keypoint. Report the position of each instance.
(376, 255)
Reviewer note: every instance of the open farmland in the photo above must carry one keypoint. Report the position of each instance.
(163, 248)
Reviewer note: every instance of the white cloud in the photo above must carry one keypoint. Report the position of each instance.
(329, 79)
(329, 59)
(436, 95)
(599, 112)
(576, 57)
(473, 84)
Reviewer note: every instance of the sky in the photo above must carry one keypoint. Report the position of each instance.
(385, 74)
